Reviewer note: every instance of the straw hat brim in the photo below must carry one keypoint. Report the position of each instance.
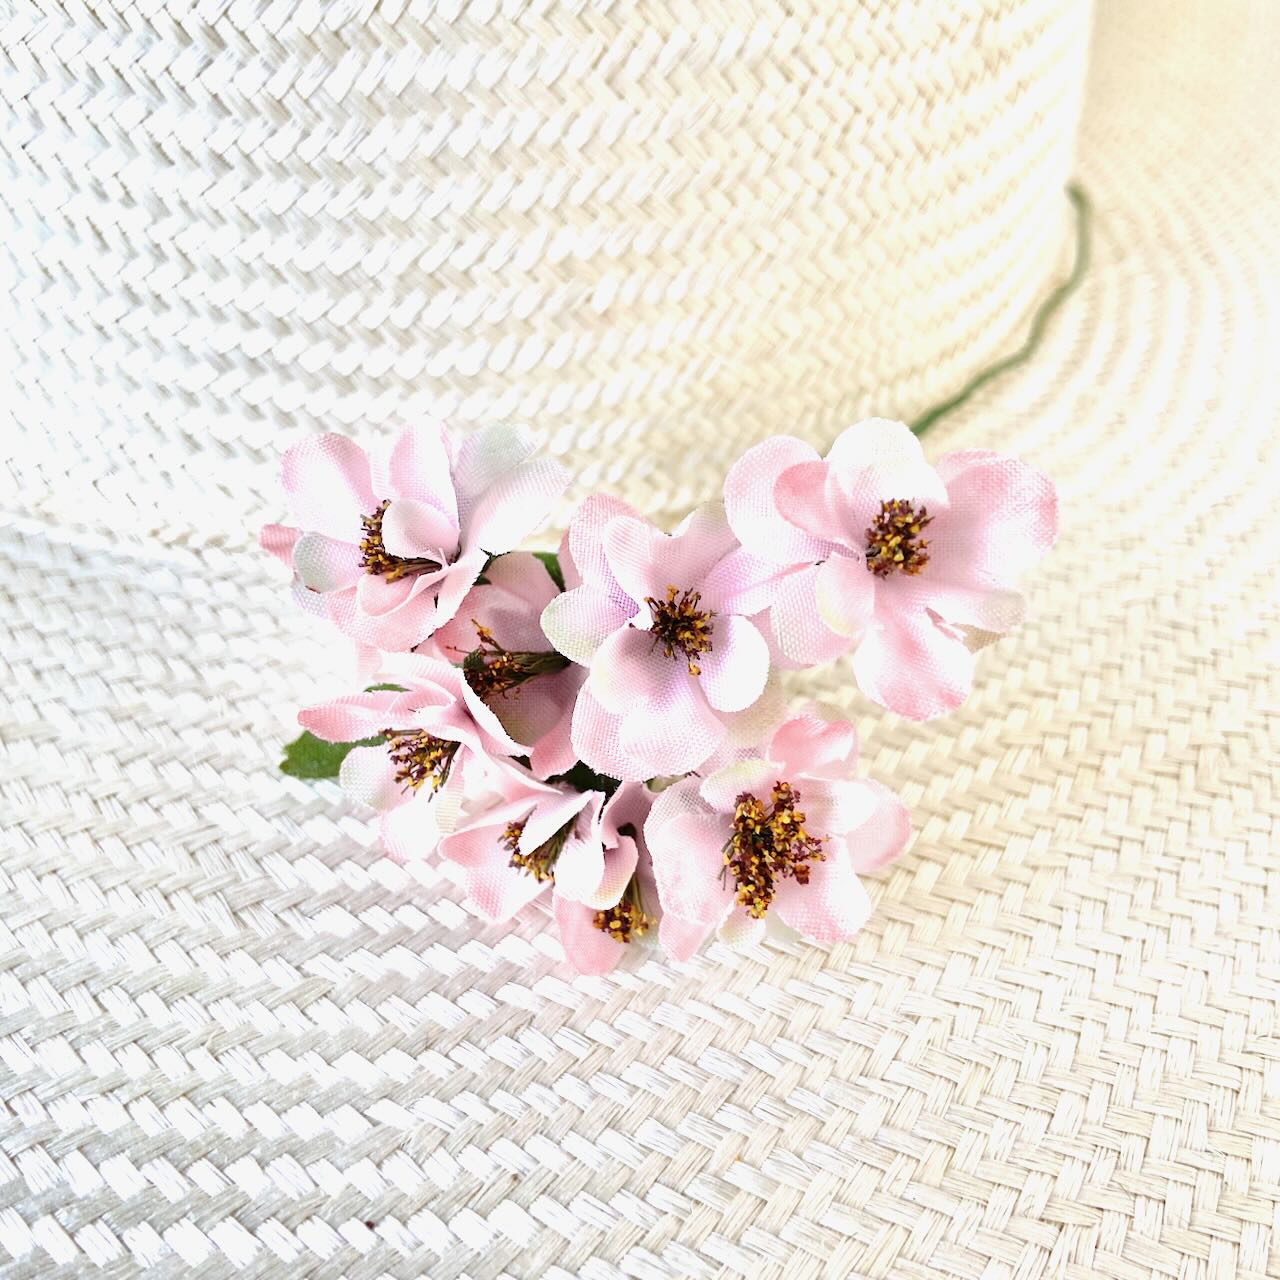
(238, 1038)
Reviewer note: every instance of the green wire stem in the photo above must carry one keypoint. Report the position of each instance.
(1044, 313)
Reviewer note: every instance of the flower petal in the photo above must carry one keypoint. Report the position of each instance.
(585, 540)
(419, 468)
(498, 889)
(681, 938)
(753, 513)
(807, 500)
(483, 457)
(631, 547)
(741, 929)
(417, 530)
(588, 949)
(597, 740)
(515, 505)
(630, 668)
(885, 833)
(809, 745)
(327, 481)
(736, 668)
(722, 788)
(914, 667)
(687, 557)
(686, 842)
(368, 774)
(278, 540)
(831, 907)
(798, 630)
(673, 735)
(578, 622)
(877, 460)
(834, 806)
(845, 591)
(741, 583)
(350, 718)
(522, 575)
(326, 564)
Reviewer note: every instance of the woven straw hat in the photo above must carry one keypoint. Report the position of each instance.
(238, 1040)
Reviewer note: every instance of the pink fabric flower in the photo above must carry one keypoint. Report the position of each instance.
(531, 837)
(595, 933)
(497, 639)
(885, 555)
(661, 622)
(439, 738)
(394, 543)
(787, 832)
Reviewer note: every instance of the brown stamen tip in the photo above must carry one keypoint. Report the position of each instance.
(626, 919)
(374, 557)
(894, 543)
(540, 862)
(679, 626)
(420, 758)
(493, 671)
(768, 844)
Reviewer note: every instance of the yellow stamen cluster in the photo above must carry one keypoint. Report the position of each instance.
(540, 862)
(626, 919)
(420, 758)
(767, 845)
(679, 626)
(493, 671)
(894, 541)
(374, 557)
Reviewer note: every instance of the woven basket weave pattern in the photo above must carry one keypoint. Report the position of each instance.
(654, 231)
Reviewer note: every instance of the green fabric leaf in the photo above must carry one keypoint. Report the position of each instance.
(551, 561)
(310, 757)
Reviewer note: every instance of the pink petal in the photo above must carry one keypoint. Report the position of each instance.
(831, 907)
(845, 591)
(631, 804)
(368, 775)
(630, 667)
(377, 595)
(741, 929)
(834, 806)
(515, 505)
(813, 747)
(535, 708)
(672, 737)
(482, 458)
(681, 938)
(588, 949)
(585, 539)
(586, 874)
(350, 718)
(752, 512)
(807, 501)
(1003, 518)
(736, 668)
(877, 460)
(722, 788)
(913, 666)
(498, 889)
(597, 740)
(419, 469)
(578, 622)
(278, 540)
(884, 835)
(416, 530)
(797, 629)
(451, 588)
(327, 480)
(630, 548)
(687, 557)
(523, 575)
(741, 583)
(553, 811)
(553, 750)
(686, 842)
(325, 564)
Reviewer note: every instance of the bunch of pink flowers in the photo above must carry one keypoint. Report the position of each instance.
(604, 725)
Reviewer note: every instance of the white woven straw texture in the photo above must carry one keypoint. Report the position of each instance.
(650, 230)
(235, 1040)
